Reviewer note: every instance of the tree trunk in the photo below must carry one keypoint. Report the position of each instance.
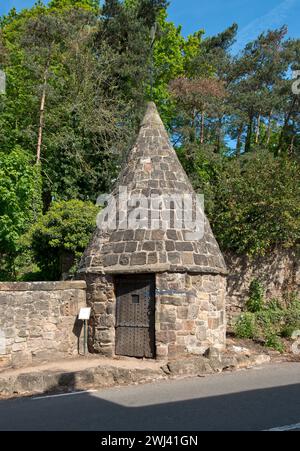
(291, 147)
(269, 128)
(258, 129)
(249, 134)
(220, 123)
(42, 113)
(195, 125)
(285, 125)
(202, 127)
(239, 140)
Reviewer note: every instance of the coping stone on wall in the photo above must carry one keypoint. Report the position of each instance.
(43, 286)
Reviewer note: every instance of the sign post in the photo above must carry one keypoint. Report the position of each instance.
(84, 315)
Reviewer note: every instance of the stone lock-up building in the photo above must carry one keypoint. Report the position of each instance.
(156, 278)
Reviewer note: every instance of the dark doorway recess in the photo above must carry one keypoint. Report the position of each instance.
(135, 321)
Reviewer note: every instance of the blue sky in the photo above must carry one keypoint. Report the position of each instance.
(252, 16)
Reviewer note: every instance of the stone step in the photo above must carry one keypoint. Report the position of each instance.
(84, 374)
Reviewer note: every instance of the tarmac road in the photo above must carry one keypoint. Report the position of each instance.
(258, 399)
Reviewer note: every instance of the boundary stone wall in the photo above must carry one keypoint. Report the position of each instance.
(38, 321)
(278, 271)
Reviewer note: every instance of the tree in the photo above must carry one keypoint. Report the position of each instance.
(129, 38)
(63, 102)
(149, 10)
(20, 205)
(257, 203)
(78, 79)
(84, 4)
(206, 62)
(58, 239)
(257, 74)
(198, 97)
(168, 64)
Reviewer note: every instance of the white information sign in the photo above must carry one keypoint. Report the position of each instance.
(85, 313)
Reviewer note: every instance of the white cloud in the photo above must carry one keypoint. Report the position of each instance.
(274, 18)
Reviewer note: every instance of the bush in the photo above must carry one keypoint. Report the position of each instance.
(291, 317)
(273, 341)
(61, 235)
(256, 297)
(20, 206)
(256, 203)
(269, 322)
(245, 326)
(287, 331)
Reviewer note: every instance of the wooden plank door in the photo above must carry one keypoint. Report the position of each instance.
(135, 321)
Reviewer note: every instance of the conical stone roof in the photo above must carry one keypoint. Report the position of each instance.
(164, 242)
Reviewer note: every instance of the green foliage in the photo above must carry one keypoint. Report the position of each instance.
(245, 326)
(287, 331)
(84, 4)
(291, 316)
(272, 322)
(92, 67)
(273, 341)
(253, 202)
(94, 87)
(62, 234)
(168, 64)
(20, 204)
(257, 204)
(256, 297)
(251, 192)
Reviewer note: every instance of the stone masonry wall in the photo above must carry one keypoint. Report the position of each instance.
(190, 314)
(101, 298)
(278, 271)
(38, 321)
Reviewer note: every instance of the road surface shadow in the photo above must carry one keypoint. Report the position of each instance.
(248, 411)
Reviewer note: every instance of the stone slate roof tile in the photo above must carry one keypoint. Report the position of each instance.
(153, 169)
